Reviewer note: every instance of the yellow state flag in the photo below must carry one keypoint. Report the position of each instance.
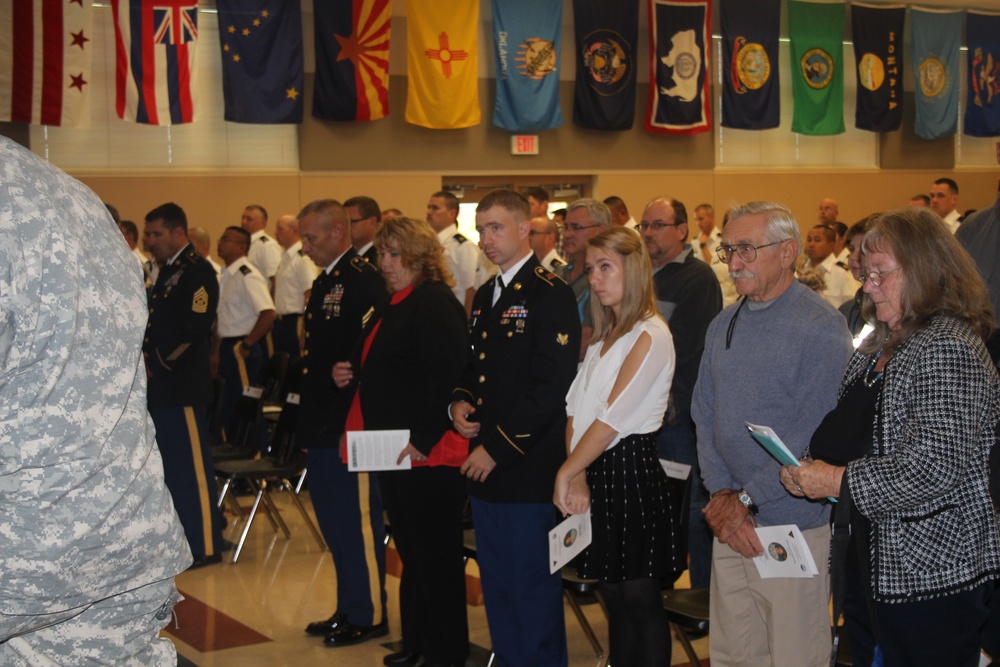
(442, 63)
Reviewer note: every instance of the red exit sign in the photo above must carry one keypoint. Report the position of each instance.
(524, 144)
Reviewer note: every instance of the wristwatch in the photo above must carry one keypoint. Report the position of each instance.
(747, 501)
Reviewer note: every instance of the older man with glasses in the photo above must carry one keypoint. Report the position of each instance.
(584, 218)
(776, 358)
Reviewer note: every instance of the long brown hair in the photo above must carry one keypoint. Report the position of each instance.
(638, 295)
(419, 248)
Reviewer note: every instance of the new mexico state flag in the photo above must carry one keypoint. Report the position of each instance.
(442, 65)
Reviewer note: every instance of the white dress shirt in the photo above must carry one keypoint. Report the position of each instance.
(243, 295)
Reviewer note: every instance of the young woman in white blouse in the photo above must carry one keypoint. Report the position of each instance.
(615, 407)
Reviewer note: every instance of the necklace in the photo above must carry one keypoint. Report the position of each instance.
(868, 380)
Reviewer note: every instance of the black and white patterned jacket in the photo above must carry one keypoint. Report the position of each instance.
(934, 529)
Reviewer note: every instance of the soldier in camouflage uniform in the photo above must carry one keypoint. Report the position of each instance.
(90, 540)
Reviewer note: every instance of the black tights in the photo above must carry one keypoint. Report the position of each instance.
(637, 625)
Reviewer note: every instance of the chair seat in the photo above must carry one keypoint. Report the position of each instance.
(225, 452)
(257, 468)
(572, 581)
(687, 607)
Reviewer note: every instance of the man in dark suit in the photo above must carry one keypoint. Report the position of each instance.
(511, 404)
(177, 344)
(346, 294)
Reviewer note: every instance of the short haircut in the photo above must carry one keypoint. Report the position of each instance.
(450, 200)
(173, 216)
(616, 204)
(680, 211)
(538, 192)
(258, 207)
(328, 212)
(559, 212)
(114, 213)
(705, 207)
(367, 207)
(922, 197)
(512, 201)
(129, 229)
(392, 213)
(638, 294)
(952, 185)
(244, 236)
(839, 227)
(828, 232)
(939, 277)
(779, 223)
(861, 226)
(419, 248)
(599, 212)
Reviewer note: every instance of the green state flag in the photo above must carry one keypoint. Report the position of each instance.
(817, 40)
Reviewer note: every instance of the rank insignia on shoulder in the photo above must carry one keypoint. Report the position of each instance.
(245, 269)
(359, 263)
(562, 339)
(199, 303)
(547, 275)
(460, 238)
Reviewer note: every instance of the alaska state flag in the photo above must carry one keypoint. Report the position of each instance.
(156, 44)
(442, 63)
(750, 95)
(878, 52)
(680, 38)
(526, 41)
(352, 59)
(261, 42)
(982, 109)
(936, 36)
(606, 46)
(817, 40)
(45, 58)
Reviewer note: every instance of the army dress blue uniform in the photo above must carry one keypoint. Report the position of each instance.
(177, 345)
(522, 361)
(348, 505)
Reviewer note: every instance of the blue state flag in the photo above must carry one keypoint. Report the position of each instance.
(936, 36)
(982, 109)
(262, 72)
(526, 41)
(750, 31)
(680, 38)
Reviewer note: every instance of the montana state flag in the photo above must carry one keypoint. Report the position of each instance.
(442, 66)
(817, 40)
(679, 40)
(527, 41)
(982, 108)
(750, 95)
(156, 44)
(352, 59)
(262, 74)
(936, 36)
(878, 52)
(606, 45)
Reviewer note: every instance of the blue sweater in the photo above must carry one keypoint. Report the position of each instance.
(782, 369)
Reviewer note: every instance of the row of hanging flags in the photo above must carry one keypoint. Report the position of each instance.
(45, 63)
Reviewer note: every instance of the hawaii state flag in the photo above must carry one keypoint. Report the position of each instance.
(982, 108)
(817, 39)
(45, 56)
(527, 42)
(679, 40)
(262, 73)
(442, 63)
(352, 59)
(936, 36)
(607, 36)
(878, 52)
(156, 42)
(750, 96)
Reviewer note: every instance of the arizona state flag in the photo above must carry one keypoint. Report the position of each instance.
(606, 38)
(878, 52)
(442, 65)
(817, 40)
(352, 59)
(679, 40)
(982, 110)
(261, 42)
(527, 40)
(936, 37)
(750, 95)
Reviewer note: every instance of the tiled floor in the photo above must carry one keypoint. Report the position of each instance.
(253, 613)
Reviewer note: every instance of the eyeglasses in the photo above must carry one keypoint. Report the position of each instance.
(656, 226)
(875, 277)
(355, 221)
(534, 233)
(573, 227)
(746, 251)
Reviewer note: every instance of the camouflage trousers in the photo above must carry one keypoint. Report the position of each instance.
(119, 630)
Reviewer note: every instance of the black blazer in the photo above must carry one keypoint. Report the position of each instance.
(522, 361)
(414, 362)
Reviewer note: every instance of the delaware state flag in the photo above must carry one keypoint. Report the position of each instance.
(156, 44)
(607, 35)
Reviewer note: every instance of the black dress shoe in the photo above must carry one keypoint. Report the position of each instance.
(323, 628)
(401, 658)
(202, 561)
(348, 635)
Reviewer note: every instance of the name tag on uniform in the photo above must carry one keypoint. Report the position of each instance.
(253, 392)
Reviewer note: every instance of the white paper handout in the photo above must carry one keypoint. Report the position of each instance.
(568, 539)
(786, 553)
(368, 451)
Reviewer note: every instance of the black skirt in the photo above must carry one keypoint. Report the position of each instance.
(636, 530)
